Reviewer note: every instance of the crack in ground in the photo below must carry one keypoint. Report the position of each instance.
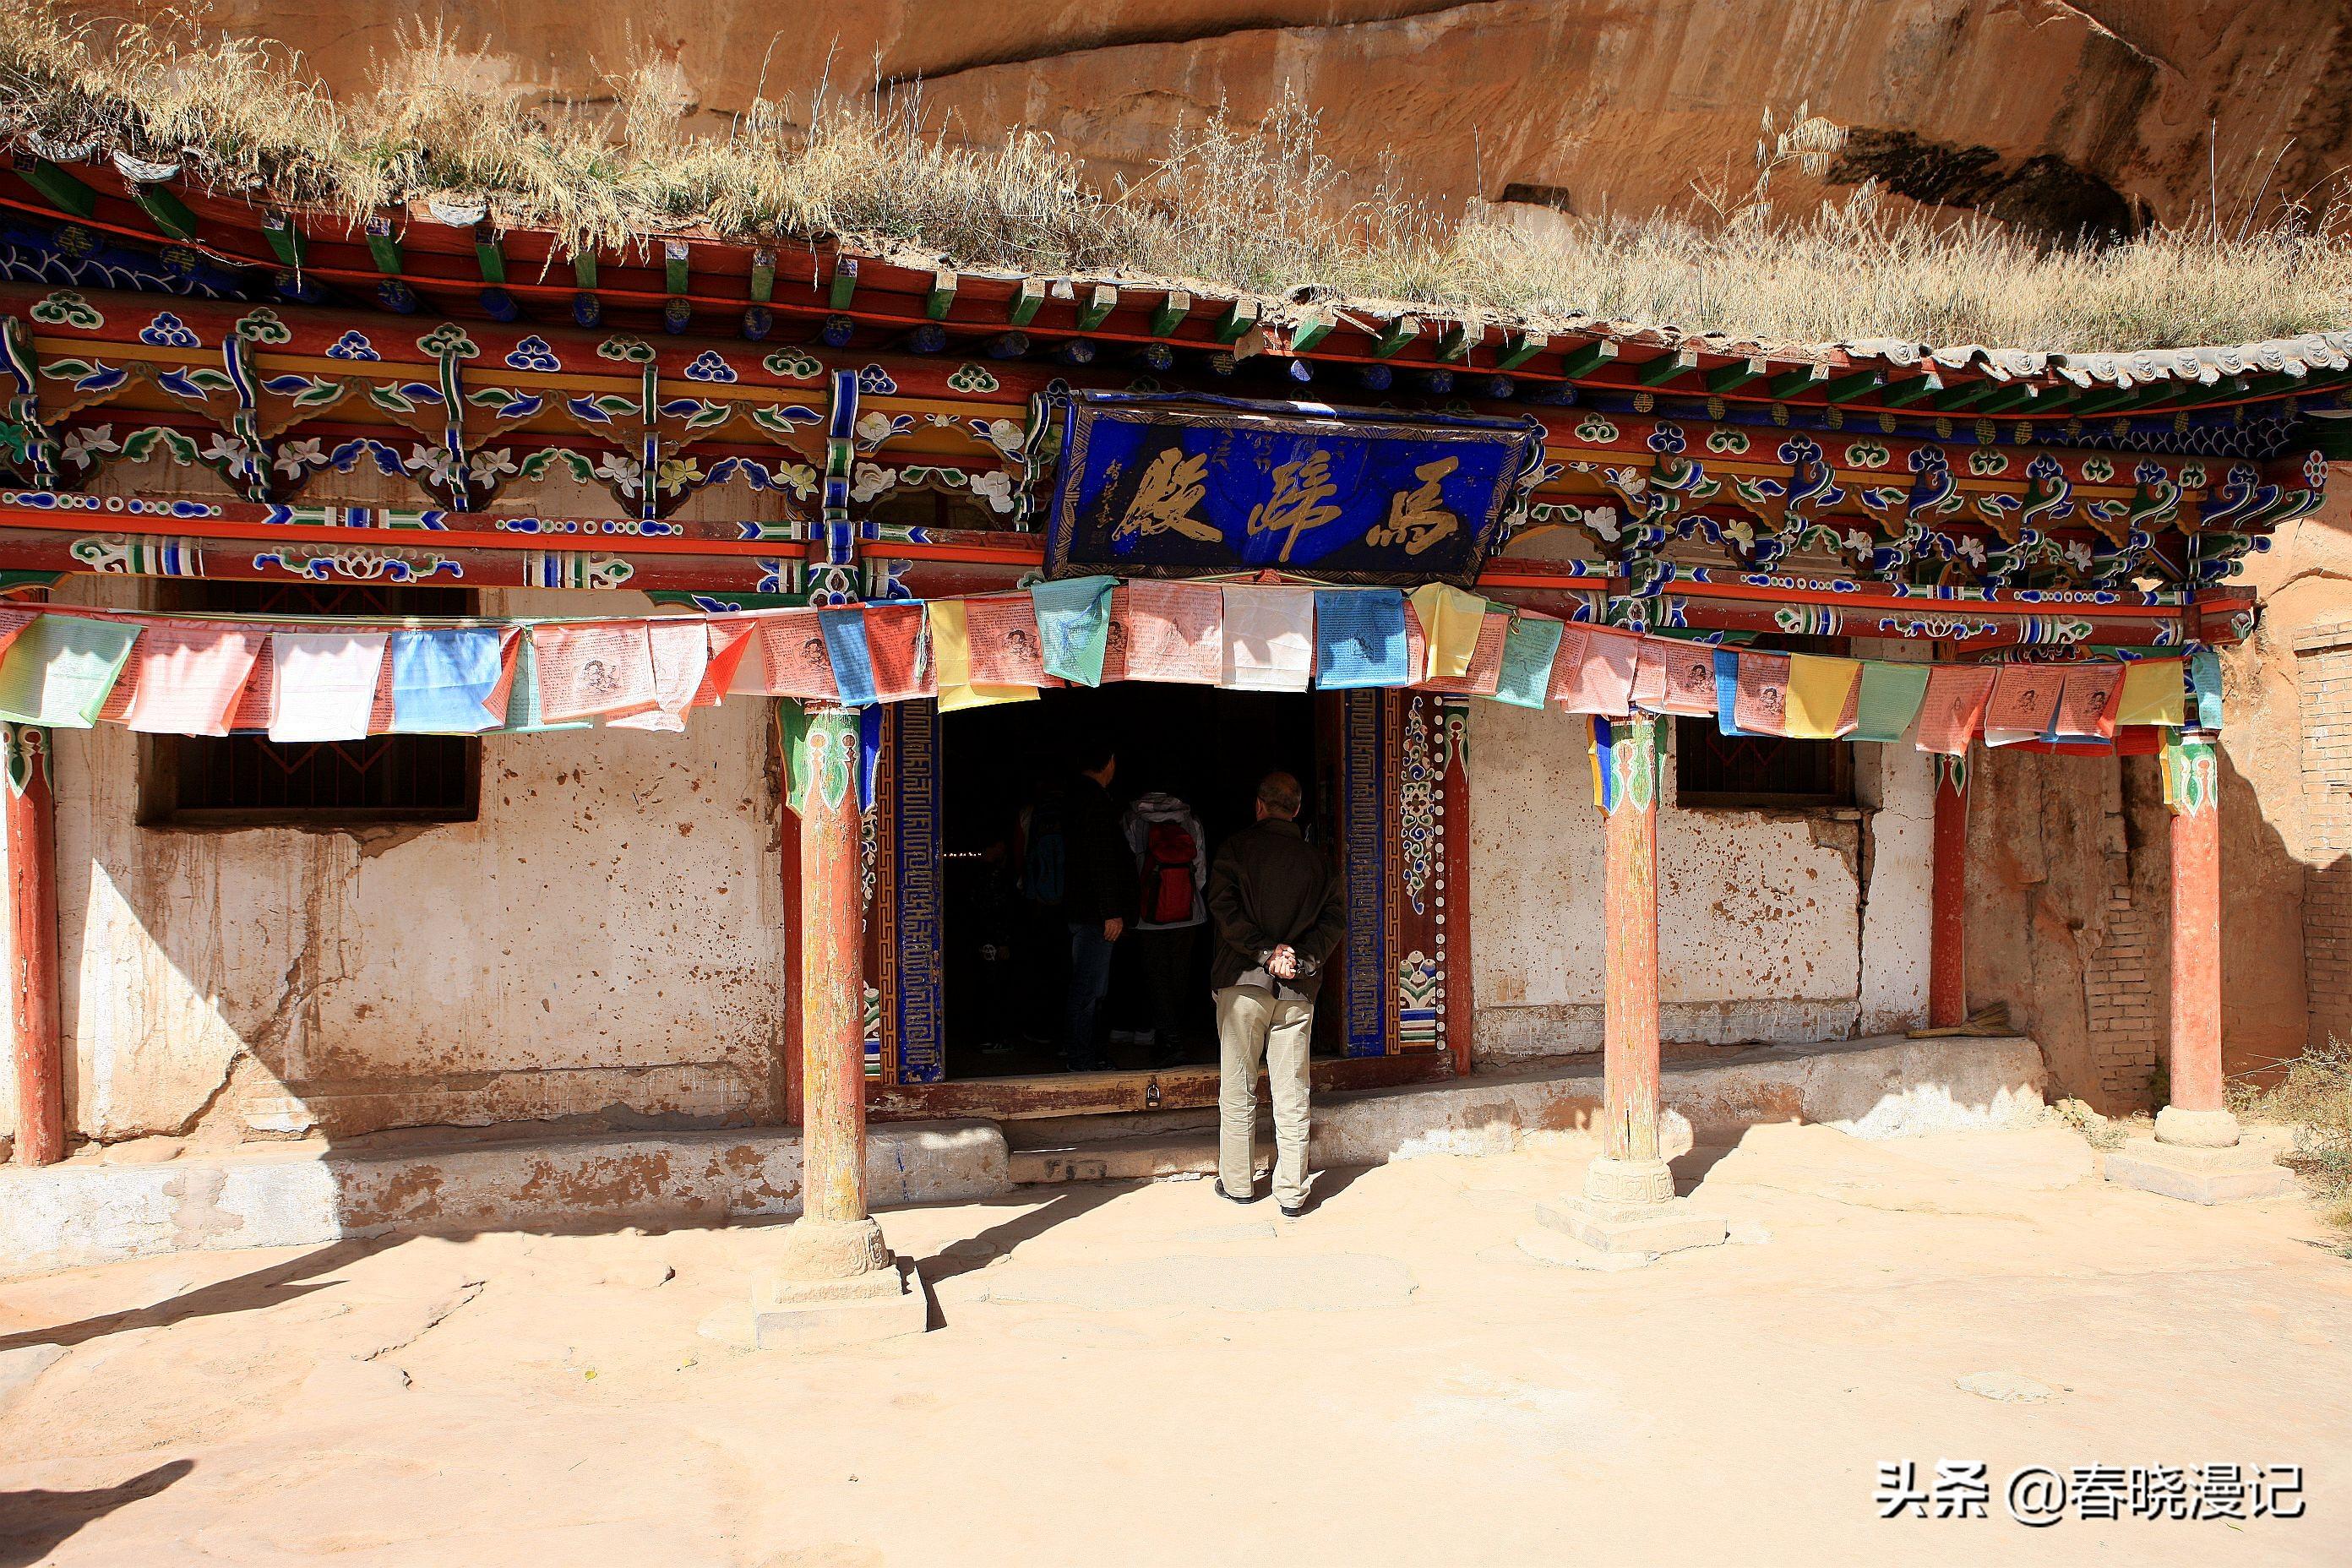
(440, 1314)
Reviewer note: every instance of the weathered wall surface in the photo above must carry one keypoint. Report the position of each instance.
(2286, 845)
(1764, 931)
(2053, 113)
(603, 942)
(2069, 911)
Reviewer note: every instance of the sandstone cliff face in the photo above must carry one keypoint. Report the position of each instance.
(2059, 116)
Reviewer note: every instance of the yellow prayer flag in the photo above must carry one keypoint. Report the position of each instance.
(954, 699)
(951, 656)
(1450, 622)
(951, 644)
(1820, 690)
(2153, 693)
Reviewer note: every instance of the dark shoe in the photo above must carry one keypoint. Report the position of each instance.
(1229, 1197)
(1289, 1213)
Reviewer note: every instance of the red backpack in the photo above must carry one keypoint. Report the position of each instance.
(1167, 851)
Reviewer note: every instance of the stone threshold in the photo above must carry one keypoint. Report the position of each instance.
(88, 1211)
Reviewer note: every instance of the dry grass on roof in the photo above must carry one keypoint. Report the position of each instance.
(1231, 207)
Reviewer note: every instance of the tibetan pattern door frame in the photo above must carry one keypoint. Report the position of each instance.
(912, 1047)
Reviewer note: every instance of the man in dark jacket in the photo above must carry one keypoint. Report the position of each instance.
(1099, 893)
(1276, 900)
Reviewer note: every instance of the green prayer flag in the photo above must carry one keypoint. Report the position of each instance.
(1073, 623)
(1528, 648)
(2205, 680)
(1890, 694)
(523, 713)
(61, 668)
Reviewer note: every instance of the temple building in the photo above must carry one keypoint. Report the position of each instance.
(778, 909)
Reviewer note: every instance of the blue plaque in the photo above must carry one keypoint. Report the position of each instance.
(1178, 486)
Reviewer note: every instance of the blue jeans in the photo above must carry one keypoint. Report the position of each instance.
(1090, 953)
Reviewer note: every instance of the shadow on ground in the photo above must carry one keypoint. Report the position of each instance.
(251, 1293)
(33, 1523)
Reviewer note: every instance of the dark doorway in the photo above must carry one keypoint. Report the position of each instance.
(1005, 967)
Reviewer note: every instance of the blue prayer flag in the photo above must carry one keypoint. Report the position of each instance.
(1726, 692)
(1074, 620)
(845, 648)
(1360, 639)
(442, 679)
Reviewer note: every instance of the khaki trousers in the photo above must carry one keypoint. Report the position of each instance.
(1254, 1027)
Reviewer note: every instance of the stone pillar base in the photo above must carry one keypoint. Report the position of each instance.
(836, 1284)
(2197, 1175)
(1612, 1181)
(817, 1249)
(1668, 1225)
(790, 1314)
(2196, 1129)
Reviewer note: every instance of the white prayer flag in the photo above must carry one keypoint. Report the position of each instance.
(1269, 638)
(326, 683)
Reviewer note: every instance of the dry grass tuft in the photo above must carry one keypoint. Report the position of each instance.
(2314, 1097)
(1252, 208)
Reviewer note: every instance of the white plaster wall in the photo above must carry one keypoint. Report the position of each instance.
(1895, 785)
(1762, 918)
(605, 939)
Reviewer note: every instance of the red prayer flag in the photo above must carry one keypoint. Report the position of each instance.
(380, 711)
(187, 675)
(680, 646)
(2024, 699)
(733, 640)
(13, 619)
(494, 701)
(1954, 706)
(256, 705)
(1119, 635)
(1486, 671)
(599, 669)
(2089, 700)
(1006, 647)
(793, 645)
(1599, 679)
(1685, 682)
(1176, 632)
(1762, 703)
(896, 645)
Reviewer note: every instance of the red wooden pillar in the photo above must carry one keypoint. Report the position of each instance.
(2196, 1113)
(835, 1235)
(1630, 1169)
(30, 809)
(1948, 897)
(787, 1094)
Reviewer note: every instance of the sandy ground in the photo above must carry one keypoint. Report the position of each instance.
(1146, 1374)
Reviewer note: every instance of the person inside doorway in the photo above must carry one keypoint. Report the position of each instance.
(1172, 857)
(1276, 904)
(1098, 897)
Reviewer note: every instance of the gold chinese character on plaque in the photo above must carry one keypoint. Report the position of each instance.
(1300, 487)
(1171, 488)
(1415, 519)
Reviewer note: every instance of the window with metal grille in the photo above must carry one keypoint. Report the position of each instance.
(250, 781)
(1762, 772)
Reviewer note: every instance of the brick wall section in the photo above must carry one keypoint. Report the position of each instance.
(2322, 667)
(2119, 1001)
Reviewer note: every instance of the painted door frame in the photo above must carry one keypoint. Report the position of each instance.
(1400, 772)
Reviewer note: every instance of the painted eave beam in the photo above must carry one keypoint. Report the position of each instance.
(1798, 383)
(1665, 367)
(1583, 360)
